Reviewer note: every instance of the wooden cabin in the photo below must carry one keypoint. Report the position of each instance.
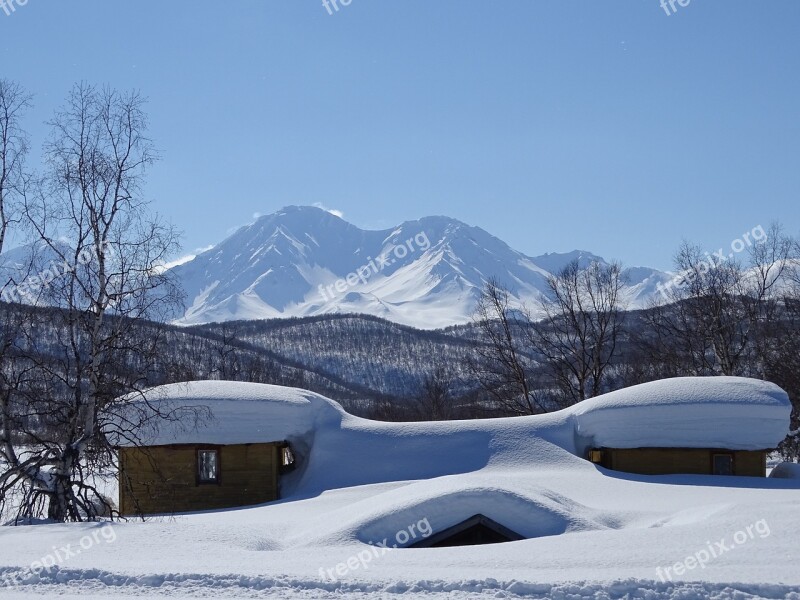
(227, 445)
(689, 461)
(191, 477)
(685, 426)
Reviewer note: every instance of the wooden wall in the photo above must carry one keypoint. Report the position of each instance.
(690, 461)
(163, 479)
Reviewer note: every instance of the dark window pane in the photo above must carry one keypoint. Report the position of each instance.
(723, 464)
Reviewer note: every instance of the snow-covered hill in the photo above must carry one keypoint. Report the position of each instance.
(303, 261)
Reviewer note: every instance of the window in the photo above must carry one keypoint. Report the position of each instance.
(208, 466)
(596, 456)
(287, 458)
(722, 464)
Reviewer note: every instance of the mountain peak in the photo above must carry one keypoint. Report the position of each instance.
(307, 260)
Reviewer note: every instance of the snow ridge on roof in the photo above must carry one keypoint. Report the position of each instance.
(689, 412)
(735, 413)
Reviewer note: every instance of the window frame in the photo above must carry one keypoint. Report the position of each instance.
(200, 480)
(730, 455)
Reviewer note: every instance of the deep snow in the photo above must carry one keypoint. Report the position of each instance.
(594, 533)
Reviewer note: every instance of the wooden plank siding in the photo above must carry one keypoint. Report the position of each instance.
(163, 479)
(687, 461)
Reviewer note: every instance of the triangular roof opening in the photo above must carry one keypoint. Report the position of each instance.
(478, 529)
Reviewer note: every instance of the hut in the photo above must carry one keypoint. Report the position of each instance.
(686, 425)
(191, 477)
(229, 449)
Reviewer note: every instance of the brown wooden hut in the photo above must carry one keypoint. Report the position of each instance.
(685, 425)
(690, 461)
(229, 450)
(191, 477)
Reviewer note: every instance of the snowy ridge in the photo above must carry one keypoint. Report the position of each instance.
(426, 273)
(687, 411)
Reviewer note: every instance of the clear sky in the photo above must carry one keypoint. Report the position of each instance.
(553, 124)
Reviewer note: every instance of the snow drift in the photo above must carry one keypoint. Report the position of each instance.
(337, 450)
(688, 412)
(362, 482)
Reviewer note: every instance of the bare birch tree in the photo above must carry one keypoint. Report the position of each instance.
(719, 316)
(105, 250)
(500, 363)
(579, 331)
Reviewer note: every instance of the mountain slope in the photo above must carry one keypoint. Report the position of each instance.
(304, 261)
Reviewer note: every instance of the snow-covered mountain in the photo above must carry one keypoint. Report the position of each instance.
(303, 261)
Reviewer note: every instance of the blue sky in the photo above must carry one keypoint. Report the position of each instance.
(560, 124)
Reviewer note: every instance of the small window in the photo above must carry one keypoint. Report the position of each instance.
(287, 458)
(208, 466)
(723, 464)
(596, 456)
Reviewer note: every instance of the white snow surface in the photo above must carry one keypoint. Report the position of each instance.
(233, 413)
(688, 412)
(592, 533)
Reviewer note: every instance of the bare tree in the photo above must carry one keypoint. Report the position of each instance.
(435, 402)
(107, 278)
(719, 316)
(780, 352)
(499, 363)
(224, 356)
(14, 102)
(534, 361)
(14, 145)
(583, 317)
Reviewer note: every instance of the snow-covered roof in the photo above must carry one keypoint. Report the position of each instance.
(687, 412)
(229, 412)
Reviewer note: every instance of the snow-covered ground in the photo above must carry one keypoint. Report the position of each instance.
(364, 487)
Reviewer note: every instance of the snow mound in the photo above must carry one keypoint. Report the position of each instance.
(691, 412)
(687, 412)
(227, 412)
(786, 471)
(531, 510)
